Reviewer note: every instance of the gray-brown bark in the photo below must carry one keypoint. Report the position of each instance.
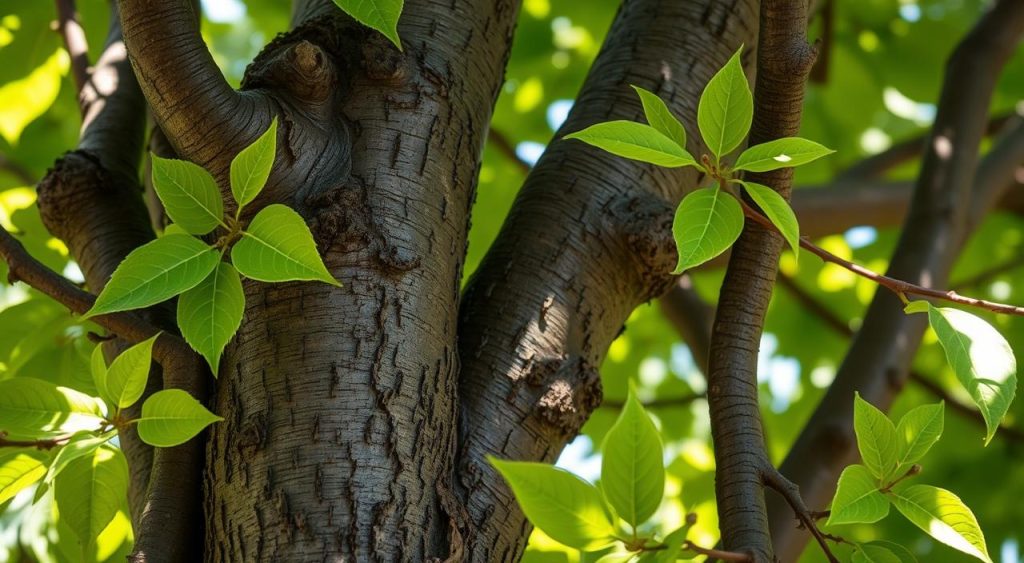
(586, 242)
(878, 360)
(784, 59)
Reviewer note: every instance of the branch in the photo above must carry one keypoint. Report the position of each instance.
(784, 60)
(17, 170)
(662, 402)
(586, 243)
(24, 268)
(808, 519)
(500, 142)
(692, 318)
(40, 444)
(192, 101)
(717, 553)
(899, 287)
(77, 46)
(833, 321)
(938, 221)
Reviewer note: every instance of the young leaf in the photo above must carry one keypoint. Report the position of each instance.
(617, 557)
(277, 246)
(726, 109)
(982, 360)
(251, 167)
(632, 471)
(919, 306)
(870, 553)
(98, 368)
(918, 431)
(943, 516)
(876, 438)
(857, 498)
(565, 507)
(778, 211)
(381, 15)
(34, 408)
(155, 272)
(636, 141)
(780, 153)
(903, 555)
(90, 490)
(171, 417)
(706, 223)
(660, 117)
(210, 313)
(673, 545)
(19, 469)
(126, 378)
(189, 194)
(81, 444)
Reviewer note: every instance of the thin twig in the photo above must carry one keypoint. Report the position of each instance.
(899, 287)
(659, 403)
(74, 41)
(23, 267)
(717, 553)
(791, 493)
(833, 321)
(503, 145)
(41, 444)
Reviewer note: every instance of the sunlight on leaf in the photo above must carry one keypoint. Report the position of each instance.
(635, 141)
(706, 223)
(24, 100)
(726, 108)
(943, 516)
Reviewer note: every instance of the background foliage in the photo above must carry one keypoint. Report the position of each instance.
(885, 62)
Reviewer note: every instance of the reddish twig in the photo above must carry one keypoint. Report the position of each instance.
(808, 519)
(899, 287)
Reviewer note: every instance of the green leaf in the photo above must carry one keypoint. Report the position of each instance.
(876, 438)
(632, 470)
(155, 272)
(126, 378)
(251, 167)
(903, 555)
(780, 153)
(706, 223)
(943, 516)
(381, 15)
(171, 417)
(918, 431)
(210, 313)
(673, 545)
(565, 507)
(19, 469)
(660, 117)
(98, 368)
(34, 408)
(726, 109)
(857, 498)
(868, 553)
(981, 359)
(189, 194)
(617, 557)
(81, 444)
(635, 141)
(777, 209)
(277, 246)
(90, 490)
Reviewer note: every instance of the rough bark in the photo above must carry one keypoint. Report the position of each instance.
(936, 226)
(340, 403)
(784, 59)
(587, 240)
